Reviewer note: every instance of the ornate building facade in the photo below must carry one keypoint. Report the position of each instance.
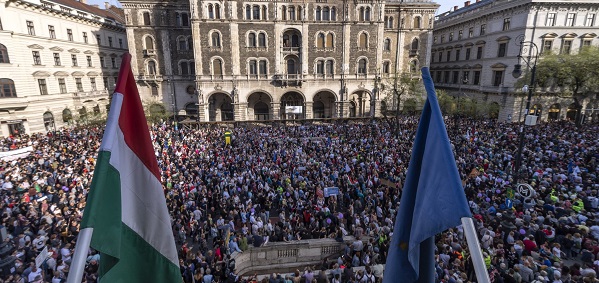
(269, 60)
(475, 48)
(58, 62)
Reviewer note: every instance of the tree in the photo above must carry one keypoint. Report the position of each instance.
(398, 85)
(574, 74)
(155, 112)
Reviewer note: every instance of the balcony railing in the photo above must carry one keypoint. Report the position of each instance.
(150, 77)
(291, 49)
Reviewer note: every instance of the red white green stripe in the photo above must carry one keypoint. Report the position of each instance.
(126, 206)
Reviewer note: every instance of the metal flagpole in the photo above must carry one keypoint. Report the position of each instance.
(482, 276)
(80, 256)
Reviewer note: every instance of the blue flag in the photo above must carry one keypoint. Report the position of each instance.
(432, 200)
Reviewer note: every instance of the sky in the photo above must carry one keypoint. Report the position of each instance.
(446, 5)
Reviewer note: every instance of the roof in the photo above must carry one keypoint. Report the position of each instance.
(470, 7)
(113, 12)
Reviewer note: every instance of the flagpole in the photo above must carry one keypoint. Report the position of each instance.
(482, 276)
(426, 270)
(80, 257)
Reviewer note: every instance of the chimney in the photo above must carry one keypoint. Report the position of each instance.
(467, 3)
(96, 5)
(83, 1)
(107, 5)
(455, 8)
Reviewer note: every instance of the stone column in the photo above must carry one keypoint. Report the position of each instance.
(240, 111)
(234, 31)
(308, 111)
(377, 108)
(275, 107)
(343, 107)
(203, 112)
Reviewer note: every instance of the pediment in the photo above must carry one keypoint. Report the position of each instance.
(56, 48)
(35, 46)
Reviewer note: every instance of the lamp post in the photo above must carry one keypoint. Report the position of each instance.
(531, 62)
(377, 80)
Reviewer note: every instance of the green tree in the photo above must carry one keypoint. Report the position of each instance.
(394, 87)
(575, 74)
(155, 112)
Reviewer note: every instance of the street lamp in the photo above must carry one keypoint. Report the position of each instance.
(531, 62)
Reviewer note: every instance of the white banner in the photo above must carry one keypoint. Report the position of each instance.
(293, 109)
(15, 154)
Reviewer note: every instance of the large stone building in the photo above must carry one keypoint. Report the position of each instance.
(264, 60)
(475, 48)
(58, 61)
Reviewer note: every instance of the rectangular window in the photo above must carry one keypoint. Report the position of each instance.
(56, 59)
(43, 87)
(465, 77)
(110, 41)
(74, 60)
(262, 67)
(446, 77)
(451, 36)
(476, 80)
(586, 43)
(479, 52)
(98, 39)
(85, 37)
(113, 61)
(120, 43)
(440, 56)
(79, 84)
(89, 61)
(506, 24)
(62, 85)
(37, 60)
(92, 82)
(467, 53)
(185, 19)
(547, 46)
(102, 62)
(30, 28)
(457, 54)
(470, 32)
(567, 47)
(70, 34)
(551, 19)
(435, 40)
(433, 54)
(448, 55)
(483, 29)
(590, 20)
(460, 34)
(456, 77)
(502, 49)
(51, 32)
(442, 38)
(105, 82)
(570, 19)
(497, 78)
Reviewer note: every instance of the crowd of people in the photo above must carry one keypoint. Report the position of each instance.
(271, 184)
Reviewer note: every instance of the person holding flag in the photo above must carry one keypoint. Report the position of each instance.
(126, 217)
(432, 200)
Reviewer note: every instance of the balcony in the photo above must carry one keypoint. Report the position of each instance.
(155, 78)
(289, 79)
(291, 49)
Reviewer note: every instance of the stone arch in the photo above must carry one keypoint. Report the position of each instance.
(259, 105)
(323, 105)
(554, 112)
(191, 109)
(361, 101)
(293, 105)
(67, 116)
(49, 121)
(571, 112)
(220, 107)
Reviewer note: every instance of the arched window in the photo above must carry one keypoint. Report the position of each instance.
(192, 68)
(252, 39)
(185, 19)
(262, 39)
(417, 22)
(215, 39)
(184, 68)
(256, 12)
(149, 42)
(264, 12)
(330, 40)
(333, 14)
(415, 44)
(146, 17)
(182, 43)
(253, 67)
(386, 68)
(325, 14)
(362, 66)
(210, 11)
(367, 15)
(320, 67)
(330, 69)
(248, 12)
(363, 42)
(389, 22)
(4, 54)
(362, 13)
(217, 11)
(320, 40)
(151, 67)
(217, 67)
(387, 45)
(189, 44)
(284, 13)
(262, 67)
(299, 13)
(291, 66)
(292, 13)
(318, 13)
(295, 40)
(7, 88)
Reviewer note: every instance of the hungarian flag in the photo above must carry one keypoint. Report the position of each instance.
(126, 206)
